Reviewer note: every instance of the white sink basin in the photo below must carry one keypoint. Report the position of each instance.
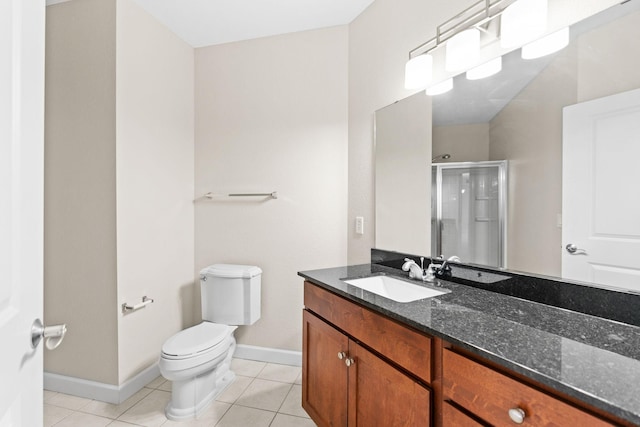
(395, 289)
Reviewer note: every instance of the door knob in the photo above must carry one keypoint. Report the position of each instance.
(573, 250)
(53, 335)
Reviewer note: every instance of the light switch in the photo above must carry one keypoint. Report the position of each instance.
(359, 225)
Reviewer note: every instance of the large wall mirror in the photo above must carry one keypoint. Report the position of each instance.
(564, 120)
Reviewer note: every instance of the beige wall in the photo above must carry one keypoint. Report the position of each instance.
(379, 43)
(528, 133)
(155, 172)
(80, 183)
(271, 115)
(608, 69)
(119, 187)
(465, 143)
(403, 175)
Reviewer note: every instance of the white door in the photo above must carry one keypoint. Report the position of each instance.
(601, 191)
(21, 208)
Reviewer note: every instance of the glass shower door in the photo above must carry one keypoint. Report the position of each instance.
(469, 211)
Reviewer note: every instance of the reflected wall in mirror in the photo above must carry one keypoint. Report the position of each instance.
(517, 115)
(403, 183)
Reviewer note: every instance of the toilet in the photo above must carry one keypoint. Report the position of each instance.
(197, 360)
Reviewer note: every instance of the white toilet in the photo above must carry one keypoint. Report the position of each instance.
(197, 360)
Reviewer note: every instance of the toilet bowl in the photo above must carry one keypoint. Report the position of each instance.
(197, 360)
(198, 363)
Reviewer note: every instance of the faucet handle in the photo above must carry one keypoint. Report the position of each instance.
(430, 273)
(407, 264)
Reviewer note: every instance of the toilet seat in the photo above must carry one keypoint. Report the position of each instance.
(196, 340)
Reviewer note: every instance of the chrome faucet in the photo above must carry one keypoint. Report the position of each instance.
(417, 271)
(444, 269)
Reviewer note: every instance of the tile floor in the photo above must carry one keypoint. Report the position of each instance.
(263, 394)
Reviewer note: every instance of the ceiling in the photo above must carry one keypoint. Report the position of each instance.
(208, 22)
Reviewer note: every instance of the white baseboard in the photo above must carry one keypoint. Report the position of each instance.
(117, 394)
(270, 355)
(100, 391)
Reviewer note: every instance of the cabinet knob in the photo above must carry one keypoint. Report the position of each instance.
(517, 415)
(342, 355)
(349, 361)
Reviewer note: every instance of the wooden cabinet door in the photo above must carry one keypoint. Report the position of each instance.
(324, 375)
(381, 395)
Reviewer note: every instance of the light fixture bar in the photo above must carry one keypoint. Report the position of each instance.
(477, 14)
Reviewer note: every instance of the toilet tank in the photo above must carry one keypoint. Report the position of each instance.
(230, 294)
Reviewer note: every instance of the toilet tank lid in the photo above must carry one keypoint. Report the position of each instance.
(231, 271)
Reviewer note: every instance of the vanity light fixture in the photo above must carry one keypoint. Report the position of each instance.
(440, 88)
(485, 70)
(546, 45)
(418, 72)
(463, 50)
(522, 22)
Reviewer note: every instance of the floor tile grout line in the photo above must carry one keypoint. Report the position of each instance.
(243, 391)
(288, 415)
(285, 397)
(248, 407)
(221, 417)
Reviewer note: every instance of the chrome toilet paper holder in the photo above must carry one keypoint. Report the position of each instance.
(128, 307)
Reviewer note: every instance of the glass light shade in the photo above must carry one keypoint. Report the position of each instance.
(463, 50)
(546, 45)
(418, 72)
(522, 21)
(485, 70)
(440, 88)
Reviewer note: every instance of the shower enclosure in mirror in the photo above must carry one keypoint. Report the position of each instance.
(468, 211)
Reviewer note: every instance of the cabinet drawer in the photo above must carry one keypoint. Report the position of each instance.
(406, 347)
(490, 395)
(454, 418)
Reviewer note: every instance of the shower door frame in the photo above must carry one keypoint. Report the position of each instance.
(503, 169)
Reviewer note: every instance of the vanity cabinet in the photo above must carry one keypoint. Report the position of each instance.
(495, 398)
(348, 377)
(361, 368)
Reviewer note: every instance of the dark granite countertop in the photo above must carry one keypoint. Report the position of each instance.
(593, 359)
